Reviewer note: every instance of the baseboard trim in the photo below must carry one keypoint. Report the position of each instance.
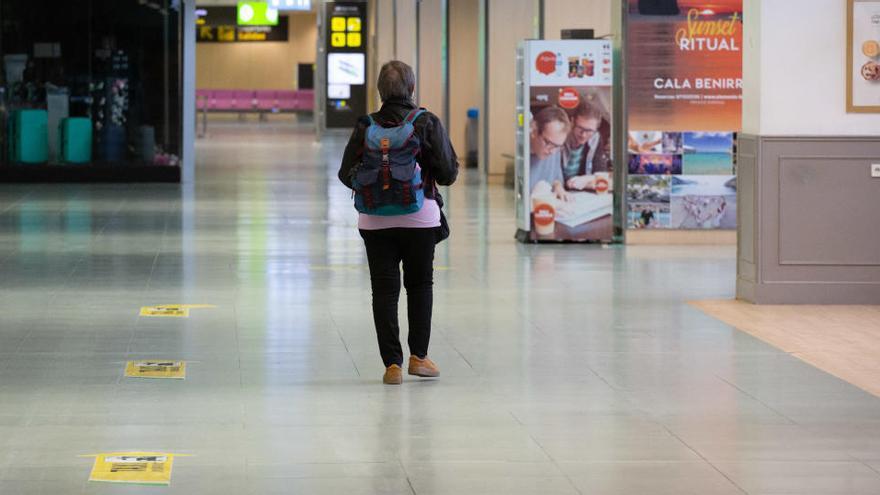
(681, 237)
(807, 293)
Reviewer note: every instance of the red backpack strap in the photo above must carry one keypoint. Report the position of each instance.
(413, 115)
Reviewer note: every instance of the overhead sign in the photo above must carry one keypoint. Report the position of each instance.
(156, 369)
(220, 25)
(256, 14)
(142, 468)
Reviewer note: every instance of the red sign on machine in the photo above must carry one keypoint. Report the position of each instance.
(545, 63)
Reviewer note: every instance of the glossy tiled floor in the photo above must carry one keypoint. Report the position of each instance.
(566, 369)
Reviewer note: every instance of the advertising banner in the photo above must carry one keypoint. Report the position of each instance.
(684, 106)
(567, 167)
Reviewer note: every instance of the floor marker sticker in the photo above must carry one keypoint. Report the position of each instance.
(142, 468)
(156, 369)
(172, 310)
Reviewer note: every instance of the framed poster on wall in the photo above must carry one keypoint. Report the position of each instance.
(863, 56)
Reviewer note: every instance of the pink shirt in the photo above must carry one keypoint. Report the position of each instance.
(427, 217)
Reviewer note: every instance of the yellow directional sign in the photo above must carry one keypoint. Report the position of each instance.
(172, 310)
(144, 468)
(337, 23)
(337, 40)
(156, 369)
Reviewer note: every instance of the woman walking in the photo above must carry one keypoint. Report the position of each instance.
(393, 162)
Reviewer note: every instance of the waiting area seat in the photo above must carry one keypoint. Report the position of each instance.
(258, 101)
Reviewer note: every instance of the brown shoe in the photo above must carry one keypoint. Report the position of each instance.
(393, 375)
(423, 367)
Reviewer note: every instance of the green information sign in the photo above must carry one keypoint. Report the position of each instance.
(256, 14)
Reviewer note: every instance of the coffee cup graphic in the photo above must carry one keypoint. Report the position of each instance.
(545, 218)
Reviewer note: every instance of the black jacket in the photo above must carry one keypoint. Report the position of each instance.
(437, 158)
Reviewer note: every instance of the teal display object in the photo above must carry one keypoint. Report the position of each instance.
(28, 136)
(76, 140)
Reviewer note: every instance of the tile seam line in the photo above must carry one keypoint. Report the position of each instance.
(870, 467)
(707, 461)
(344, 344)
(552, 459)
(747, 394)
(412, 489)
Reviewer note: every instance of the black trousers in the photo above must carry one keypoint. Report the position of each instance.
(386, 249)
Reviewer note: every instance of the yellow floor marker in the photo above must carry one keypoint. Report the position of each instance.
(156, 369)
(172, 310)
(167, 311)
(142, 468)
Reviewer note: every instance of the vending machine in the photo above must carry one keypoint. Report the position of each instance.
(564, 153)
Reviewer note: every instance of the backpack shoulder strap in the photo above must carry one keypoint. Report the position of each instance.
(413, 115)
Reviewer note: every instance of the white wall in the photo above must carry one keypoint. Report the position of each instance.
(751, 107)
(576, 14)
(464, 65)
(800, 74)
(431, 71)
(406, 47)
(509, 22)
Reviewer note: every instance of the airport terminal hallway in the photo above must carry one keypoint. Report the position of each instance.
(566, 369)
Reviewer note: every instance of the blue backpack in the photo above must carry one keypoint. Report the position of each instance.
(388, 182)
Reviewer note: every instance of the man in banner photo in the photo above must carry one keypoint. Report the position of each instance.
(588, 148)
(548, 136)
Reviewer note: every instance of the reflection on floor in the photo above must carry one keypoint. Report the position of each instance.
(842, 340)
(566, 369)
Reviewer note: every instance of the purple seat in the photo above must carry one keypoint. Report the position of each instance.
(262, 100)
(265, 99)
(286, 100)
(203, 99)
(222, 100)
(287, 104)
(244, 99)
(306, 98)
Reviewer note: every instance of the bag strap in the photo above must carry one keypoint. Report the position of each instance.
(413, 115)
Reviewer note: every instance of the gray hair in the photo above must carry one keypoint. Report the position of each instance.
(396, 80)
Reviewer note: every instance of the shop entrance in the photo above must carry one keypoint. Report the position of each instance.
(90, 91)
(255, 66)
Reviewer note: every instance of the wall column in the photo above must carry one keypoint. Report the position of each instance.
(805, 196)
(504, 24)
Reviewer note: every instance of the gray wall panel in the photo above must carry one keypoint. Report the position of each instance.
(825, 207)
(808, 228)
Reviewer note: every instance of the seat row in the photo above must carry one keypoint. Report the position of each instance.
(259, 100)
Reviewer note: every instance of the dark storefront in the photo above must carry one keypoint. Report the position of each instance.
(90, 90)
